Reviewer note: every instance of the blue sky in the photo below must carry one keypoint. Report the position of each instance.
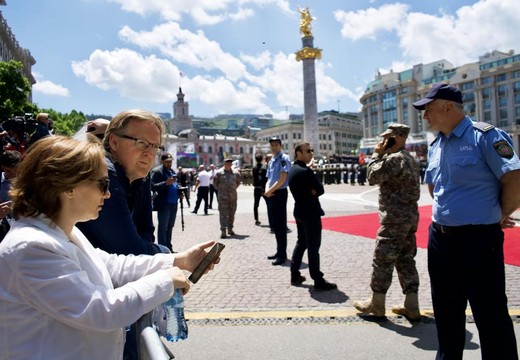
(237, 56)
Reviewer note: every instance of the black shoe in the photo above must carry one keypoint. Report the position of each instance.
(193, 212)
(271, 257)
(297, 281)
(209, 207)
(279, 261)
(231, 232)
(257, 222)
(324, 286)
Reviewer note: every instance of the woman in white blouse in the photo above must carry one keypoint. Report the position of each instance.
(59, 297)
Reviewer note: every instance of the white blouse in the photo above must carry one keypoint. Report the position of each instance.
(63, 299)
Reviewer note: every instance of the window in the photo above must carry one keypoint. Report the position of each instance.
(500, 77)
(485, 80)
(210, 149)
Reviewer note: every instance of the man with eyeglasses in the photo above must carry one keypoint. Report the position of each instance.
(125, 225)
(306, 190)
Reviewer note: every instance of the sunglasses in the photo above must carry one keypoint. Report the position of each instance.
(103, 185)
(308, 151)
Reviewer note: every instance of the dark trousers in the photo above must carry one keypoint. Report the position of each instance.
(186, 195)
(258, 195)
(212, 190)
(467, 264)
(165, 221)
(277, 208)
(309, 238)
(202, 194)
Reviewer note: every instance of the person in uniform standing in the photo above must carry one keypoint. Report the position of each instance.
(276, 195)
(226, 181)
(166, 201)
(397, 174)
(473, 175)
(259, 181)
(306, 190)
(183, 180)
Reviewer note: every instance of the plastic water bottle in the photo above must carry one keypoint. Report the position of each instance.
(176, 326)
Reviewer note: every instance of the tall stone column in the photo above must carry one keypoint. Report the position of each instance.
(308, 54)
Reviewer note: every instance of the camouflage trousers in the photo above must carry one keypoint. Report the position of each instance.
(395, 247)
(227, 207)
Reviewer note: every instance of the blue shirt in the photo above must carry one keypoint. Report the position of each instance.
(281, 163)
(465, 169)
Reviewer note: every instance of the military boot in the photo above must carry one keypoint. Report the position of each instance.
(374, 306)
(411, 307)
(223, 234)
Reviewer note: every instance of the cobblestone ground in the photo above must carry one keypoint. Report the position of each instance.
(246, 281)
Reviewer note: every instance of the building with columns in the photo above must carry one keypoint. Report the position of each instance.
(338, 134)
(490, 88)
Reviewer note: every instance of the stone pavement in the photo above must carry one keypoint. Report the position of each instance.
(245, 284)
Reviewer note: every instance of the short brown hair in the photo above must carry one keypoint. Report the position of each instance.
(120, 122)
(53, 165)
(299, 145)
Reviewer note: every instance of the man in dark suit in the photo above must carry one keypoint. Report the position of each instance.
(165, 202)
(306, 188)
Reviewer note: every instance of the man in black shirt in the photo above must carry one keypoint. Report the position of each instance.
(306, 188)
(259, 181)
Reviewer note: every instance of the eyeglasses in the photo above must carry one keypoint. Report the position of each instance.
(143, 145)
(308, 151)
(103, 185)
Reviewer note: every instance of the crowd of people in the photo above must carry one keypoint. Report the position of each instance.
(84, 262)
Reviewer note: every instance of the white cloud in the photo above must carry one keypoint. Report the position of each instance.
(47, 87)
(130, 74)
(204, 12)
(472, 31)
(190, 48)
(460, 38)
(367, 23)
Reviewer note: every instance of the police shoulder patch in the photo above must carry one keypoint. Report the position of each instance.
(504, 149)
(482, 126)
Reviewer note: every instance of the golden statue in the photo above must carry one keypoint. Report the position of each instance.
(305, 22)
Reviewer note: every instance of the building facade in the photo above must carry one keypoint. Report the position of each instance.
(339, 134)
(10, 49)
(490, 88)
(189, 148)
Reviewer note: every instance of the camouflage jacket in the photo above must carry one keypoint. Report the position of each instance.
(397, 175)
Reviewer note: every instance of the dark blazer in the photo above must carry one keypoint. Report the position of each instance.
(302, 182)
(158, 177)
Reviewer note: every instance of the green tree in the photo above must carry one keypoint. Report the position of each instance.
(66, 124)
(14, 90)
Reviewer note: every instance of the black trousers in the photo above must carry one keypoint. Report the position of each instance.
(309, 238)
(202, 194)
(212, 191)
(257, 196)
(277, 208)
(466, 263)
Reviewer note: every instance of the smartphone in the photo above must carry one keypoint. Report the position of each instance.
(206, 262)
(389, 143)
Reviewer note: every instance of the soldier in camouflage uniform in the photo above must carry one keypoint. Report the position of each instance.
(396, 173)
(226, 182)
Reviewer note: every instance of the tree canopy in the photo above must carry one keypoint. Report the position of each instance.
(14, 101)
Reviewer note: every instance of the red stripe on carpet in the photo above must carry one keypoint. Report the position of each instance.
(366, 225)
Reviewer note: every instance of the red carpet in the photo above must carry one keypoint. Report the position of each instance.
(366, 225)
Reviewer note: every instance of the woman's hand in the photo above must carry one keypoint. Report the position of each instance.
(189, 259)
(179, 280)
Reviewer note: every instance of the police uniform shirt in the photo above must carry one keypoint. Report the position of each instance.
(465, 169)
(281, 163)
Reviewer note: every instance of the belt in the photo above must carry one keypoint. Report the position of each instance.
(454, 229)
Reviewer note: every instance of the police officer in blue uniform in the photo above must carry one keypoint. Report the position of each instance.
(473, 175)
(276, 196)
